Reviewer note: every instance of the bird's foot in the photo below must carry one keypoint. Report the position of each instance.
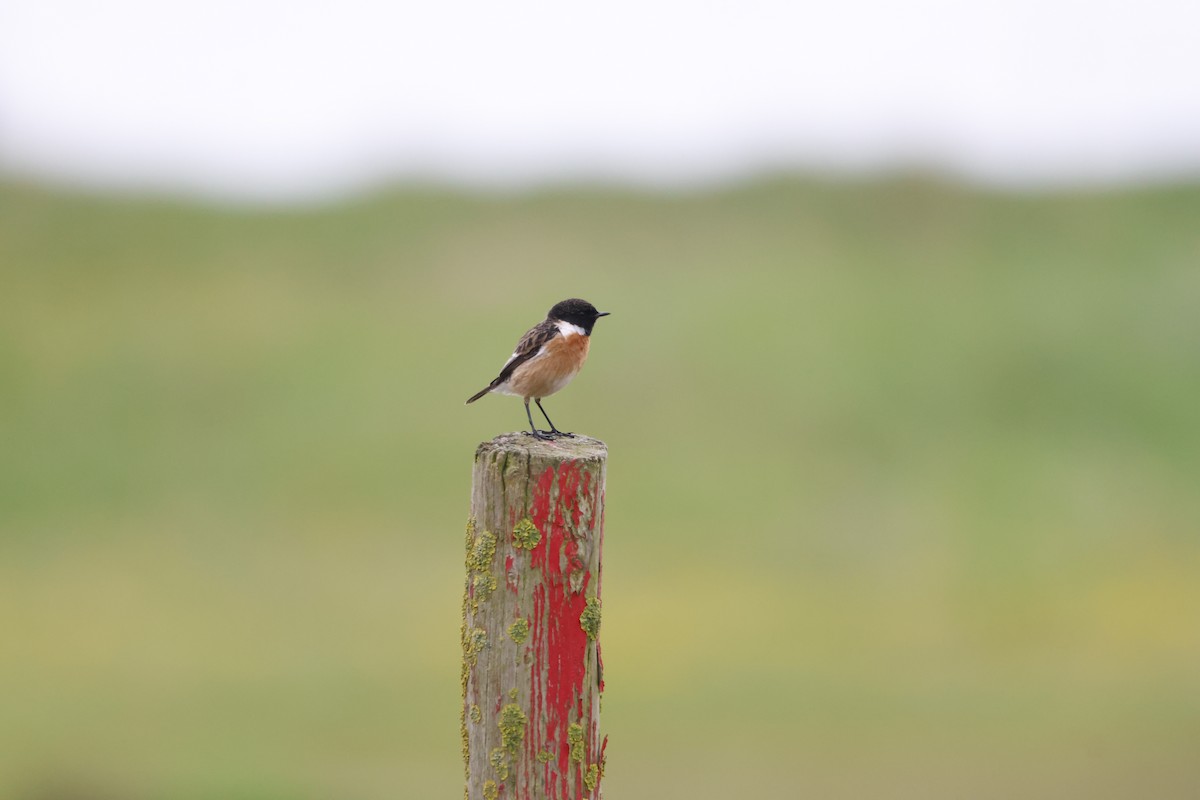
(557, 432)
(545, 436)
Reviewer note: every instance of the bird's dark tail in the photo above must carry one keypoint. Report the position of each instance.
(481, 393)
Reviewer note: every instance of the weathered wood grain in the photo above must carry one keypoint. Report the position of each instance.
(531, 672)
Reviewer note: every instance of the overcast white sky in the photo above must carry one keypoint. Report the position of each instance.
(289, 99)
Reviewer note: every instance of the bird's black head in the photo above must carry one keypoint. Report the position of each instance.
(577, 312)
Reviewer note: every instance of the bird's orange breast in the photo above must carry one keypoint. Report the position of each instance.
(560, 360)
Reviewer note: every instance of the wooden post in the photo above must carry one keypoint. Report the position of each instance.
(531, 672)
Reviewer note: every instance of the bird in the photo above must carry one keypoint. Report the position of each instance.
(547, 357)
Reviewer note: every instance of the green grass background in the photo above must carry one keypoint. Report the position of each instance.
(903, 499)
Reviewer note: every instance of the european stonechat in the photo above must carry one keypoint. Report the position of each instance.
(546, 359)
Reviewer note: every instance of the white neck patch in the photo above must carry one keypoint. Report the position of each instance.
(567, 329)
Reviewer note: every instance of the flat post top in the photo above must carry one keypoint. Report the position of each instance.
(577, 447)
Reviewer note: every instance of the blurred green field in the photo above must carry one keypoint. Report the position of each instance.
(903, 501)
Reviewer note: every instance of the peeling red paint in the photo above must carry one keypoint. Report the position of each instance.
(599, 578)
(560, 645)
(600, 544)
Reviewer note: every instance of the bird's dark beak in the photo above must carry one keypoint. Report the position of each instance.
(600, 314)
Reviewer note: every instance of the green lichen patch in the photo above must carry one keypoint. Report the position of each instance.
(473, 645)
(512, 693)
(499, 761)
(512, 727)
(490, 792)
(485, 585)
(592, 777)
(526, 535)
(519, 631)
(481, 553)
(545, 756)
(476, 714)
(589, 620)
(466, 748)
(575, 738)
(462, 718)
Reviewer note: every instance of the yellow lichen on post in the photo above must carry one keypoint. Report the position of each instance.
(519, 631)
(589, 620)
(592, 777)
(526, 534)
(575, 738)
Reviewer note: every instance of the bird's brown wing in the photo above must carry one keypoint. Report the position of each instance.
(530, 345)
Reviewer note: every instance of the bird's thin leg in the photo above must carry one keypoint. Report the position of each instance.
(553, 430)
(535, 433)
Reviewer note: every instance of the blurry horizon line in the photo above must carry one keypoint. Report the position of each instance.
(312, 192)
